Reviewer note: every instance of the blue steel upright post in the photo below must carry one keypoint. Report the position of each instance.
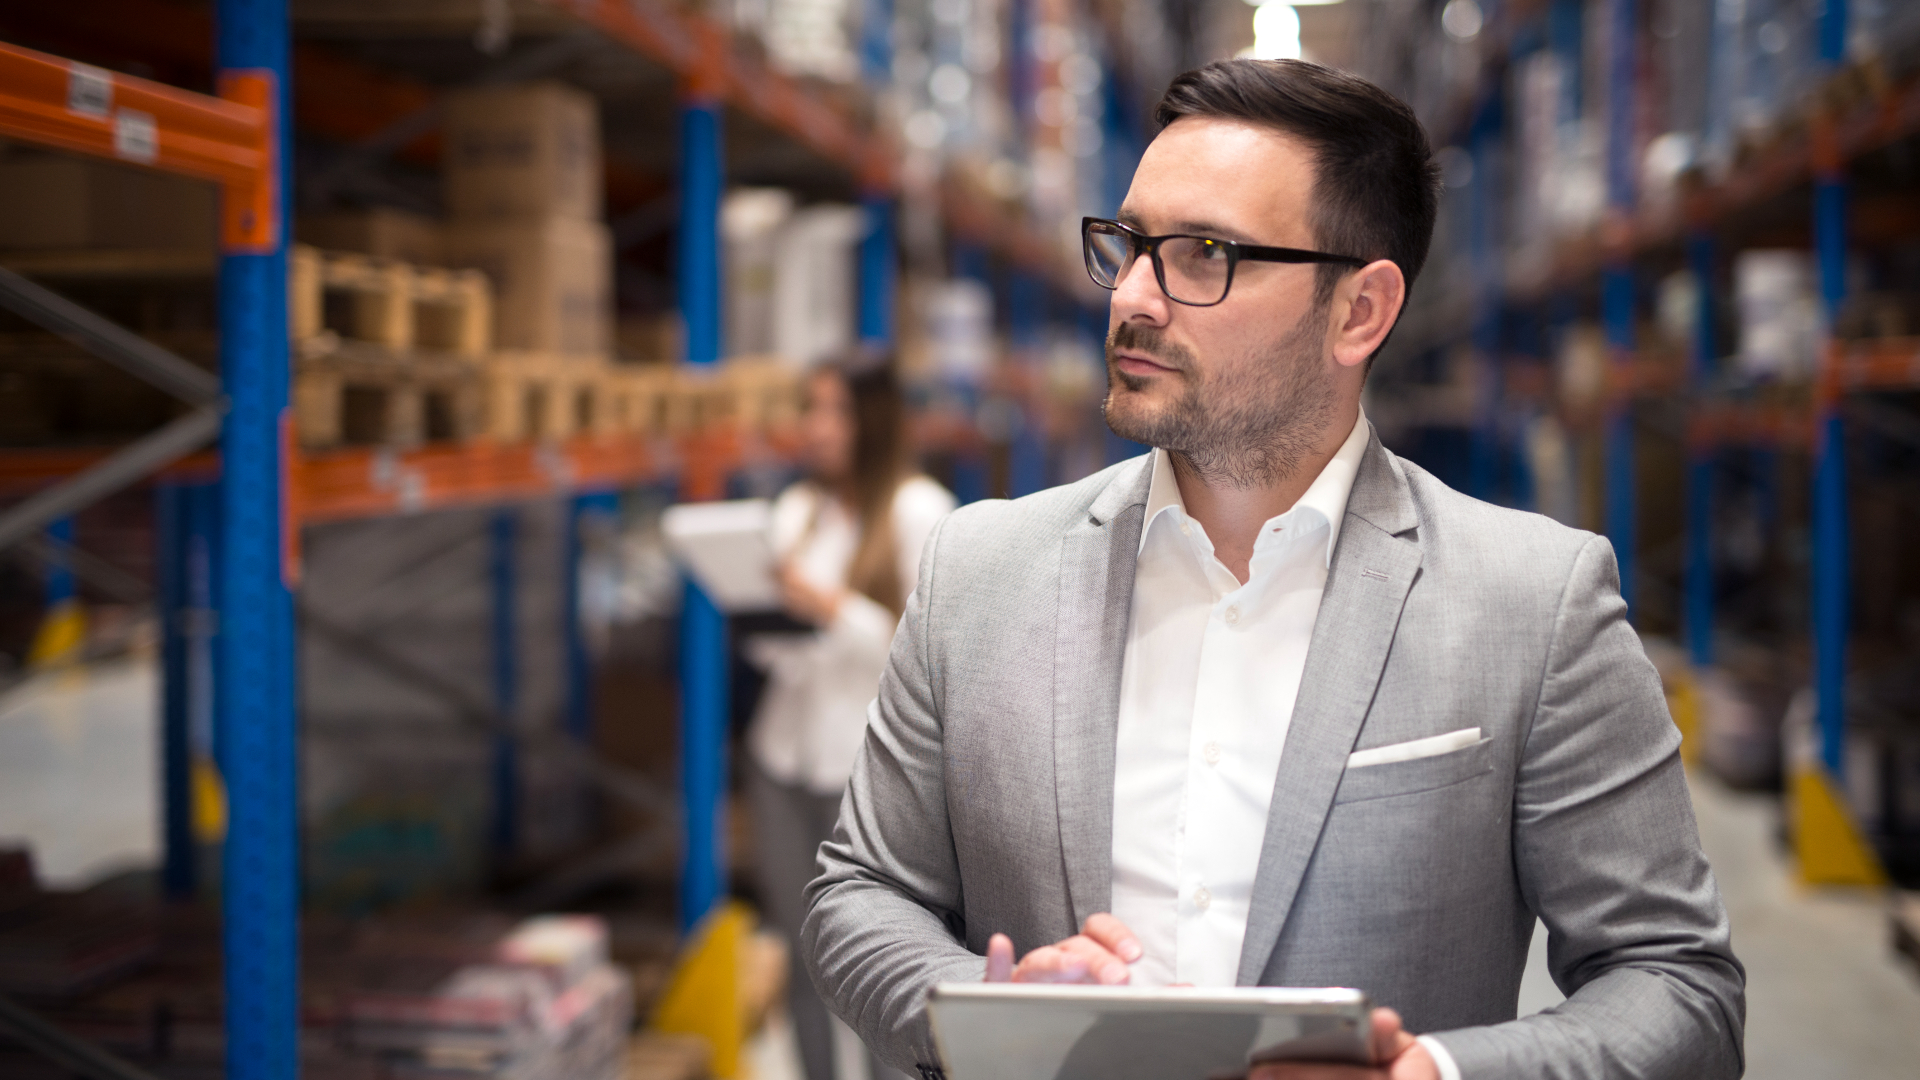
(255, 693)
(1484, 246)
(602, 505)
(879, 273)
(1830, 540)
(1697, 578)
(1616, 295)
(1027, 324)
(503, 534)
(704, 668)
(879, 270)
(170, 568)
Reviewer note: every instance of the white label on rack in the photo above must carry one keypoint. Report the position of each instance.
(134, 136)
(89, 90)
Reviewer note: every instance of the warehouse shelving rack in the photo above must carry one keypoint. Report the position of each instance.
(248, 502)
(1845, 120)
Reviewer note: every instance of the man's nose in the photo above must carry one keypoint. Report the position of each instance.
(1138, 293)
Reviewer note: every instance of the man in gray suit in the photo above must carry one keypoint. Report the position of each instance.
(1270, 705)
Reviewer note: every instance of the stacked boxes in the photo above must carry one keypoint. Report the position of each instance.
(57, 201)
(522, 181)
(552, 278)
(381, 231)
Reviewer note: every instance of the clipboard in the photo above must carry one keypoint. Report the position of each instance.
(1029, 1031)
(727, 547)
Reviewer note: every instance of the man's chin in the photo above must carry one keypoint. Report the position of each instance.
(1129, 414)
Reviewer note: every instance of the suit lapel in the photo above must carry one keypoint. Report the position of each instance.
(1097, 558)
(1373, 568)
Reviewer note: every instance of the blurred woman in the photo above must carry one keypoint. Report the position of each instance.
(848, 538)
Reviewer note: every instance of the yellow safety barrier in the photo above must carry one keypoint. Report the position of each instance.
(703, 996)
(1826, 841)
(1683, 703)
(60, 636)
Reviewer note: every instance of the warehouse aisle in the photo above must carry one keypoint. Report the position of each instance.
(79, 769)
(1826, 996)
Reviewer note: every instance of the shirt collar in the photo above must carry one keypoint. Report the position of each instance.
(1327, 494)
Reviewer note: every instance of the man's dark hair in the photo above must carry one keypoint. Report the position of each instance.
(1376, 187)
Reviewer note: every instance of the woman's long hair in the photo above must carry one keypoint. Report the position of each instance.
(879, 465)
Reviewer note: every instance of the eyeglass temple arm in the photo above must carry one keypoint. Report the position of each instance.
(1295, 255)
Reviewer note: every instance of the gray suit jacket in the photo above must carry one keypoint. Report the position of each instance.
(982, 801)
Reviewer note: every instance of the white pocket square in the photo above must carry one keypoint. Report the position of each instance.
(1431, 746)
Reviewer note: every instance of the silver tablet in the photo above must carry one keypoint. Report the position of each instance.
(1029, 1031)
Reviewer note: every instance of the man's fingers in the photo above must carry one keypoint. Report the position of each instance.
(999, 958)
(1113, 935)
(1102, 966)
(1390, 1040)
(1051, 964)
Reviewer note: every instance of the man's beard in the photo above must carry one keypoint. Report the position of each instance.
(1246, 428)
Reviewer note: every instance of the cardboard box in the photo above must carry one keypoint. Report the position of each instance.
(382, 231)
(552, 281)
(57, 201)
(528, 150)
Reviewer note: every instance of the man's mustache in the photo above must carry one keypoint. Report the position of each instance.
(1149, 341)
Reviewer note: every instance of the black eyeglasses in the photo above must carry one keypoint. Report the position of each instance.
(1192, 270)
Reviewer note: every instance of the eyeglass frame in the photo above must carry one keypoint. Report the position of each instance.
(1139, 242)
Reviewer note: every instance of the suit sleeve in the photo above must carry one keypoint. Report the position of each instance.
(881, 917)
(1609, 858)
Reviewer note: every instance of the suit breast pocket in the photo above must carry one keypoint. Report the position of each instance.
(1418, 775)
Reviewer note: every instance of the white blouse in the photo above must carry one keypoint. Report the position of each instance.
(813, 714)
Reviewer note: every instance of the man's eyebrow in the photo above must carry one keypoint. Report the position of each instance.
(1132, 220)
(1211, 228)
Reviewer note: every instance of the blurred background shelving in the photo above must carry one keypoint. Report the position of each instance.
(551, 265)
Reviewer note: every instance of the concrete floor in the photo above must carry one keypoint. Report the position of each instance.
(1826, 997)
(79, 770)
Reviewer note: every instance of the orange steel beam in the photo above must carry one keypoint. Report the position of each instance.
(55, 102)
(1891, 114)
(700, 51)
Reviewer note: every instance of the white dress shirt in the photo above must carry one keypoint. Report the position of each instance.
(812, 716)
(1207, 687)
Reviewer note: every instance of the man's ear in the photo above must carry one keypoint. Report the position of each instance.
(1366, 304)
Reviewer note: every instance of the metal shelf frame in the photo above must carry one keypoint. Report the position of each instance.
(234, 141)
(1837, 132)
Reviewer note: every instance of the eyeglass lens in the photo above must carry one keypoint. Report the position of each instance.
(1194, 269)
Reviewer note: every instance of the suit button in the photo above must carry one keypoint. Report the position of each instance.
(1202, 898)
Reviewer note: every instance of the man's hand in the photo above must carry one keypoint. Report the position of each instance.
(1100, 954)
(1400, 1057)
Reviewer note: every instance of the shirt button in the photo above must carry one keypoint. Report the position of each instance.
(1233, 615)
(1185, 529)
(1211, 752)
(1202, 898)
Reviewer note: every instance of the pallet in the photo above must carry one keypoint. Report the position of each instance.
(768, 394)
(536, 397)
(361, 395)
(753, 396)
(389, 303)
